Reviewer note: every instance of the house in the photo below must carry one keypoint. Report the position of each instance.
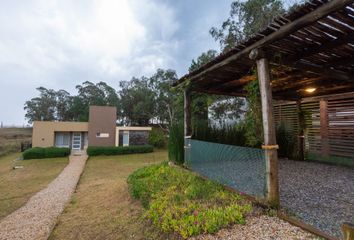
(100, 130)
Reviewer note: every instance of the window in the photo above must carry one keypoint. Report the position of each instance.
(62, 139)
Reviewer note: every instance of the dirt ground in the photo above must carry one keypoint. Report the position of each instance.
(17, 186)
(102, 207)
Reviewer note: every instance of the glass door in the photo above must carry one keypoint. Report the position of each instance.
(76, 143)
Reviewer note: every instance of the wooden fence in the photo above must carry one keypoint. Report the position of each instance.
(327, 123)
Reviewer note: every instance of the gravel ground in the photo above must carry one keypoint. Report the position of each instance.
(36, 219)
(262, 227)
(319, 194)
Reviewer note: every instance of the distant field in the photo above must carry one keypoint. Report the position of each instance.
(11, 138)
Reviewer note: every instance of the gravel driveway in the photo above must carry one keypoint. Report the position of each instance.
(321, 195)
(36, 219)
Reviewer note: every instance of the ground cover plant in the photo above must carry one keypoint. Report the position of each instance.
(50, 152)
(17, 186)
(96, 151)
(178, 201)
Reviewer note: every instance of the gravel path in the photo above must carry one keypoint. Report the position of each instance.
(263, 227)
(321, 195)
(36, 219)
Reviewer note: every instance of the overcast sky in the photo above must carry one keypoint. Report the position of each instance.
(61, 43)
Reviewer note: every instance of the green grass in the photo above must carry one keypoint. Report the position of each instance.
(178, 201)
(17, 186)
(101, 207)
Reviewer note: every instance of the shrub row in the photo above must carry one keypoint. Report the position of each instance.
(178, 201)
(95, 151)
(50, 152)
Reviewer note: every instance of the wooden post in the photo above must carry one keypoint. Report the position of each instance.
(301, 137)
(324, 127)
(187, 113)
(187, 124)
(348, 231)
(270, 144)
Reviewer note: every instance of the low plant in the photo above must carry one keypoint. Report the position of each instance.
(286, 141)
(178, 201)
(176, 143)
(50, 152)
(157, 138)
(96, 151)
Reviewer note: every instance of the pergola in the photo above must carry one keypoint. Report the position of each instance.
(310, 47)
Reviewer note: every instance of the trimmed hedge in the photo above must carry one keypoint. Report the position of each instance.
(50, 152)
(96, 151)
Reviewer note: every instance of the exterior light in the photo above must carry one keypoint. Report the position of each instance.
(310, 90)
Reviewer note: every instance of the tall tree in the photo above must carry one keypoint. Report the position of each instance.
(137, 101)
(42, 108)
(246, 18)
(100, 94)
(167, 102)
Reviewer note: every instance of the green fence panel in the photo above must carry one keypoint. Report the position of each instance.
(241, 168)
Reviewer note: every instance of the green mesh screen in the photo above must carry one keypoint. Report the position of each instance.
(241, 168)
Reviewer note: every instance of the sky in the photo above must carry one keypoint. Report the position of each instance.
(61, 43)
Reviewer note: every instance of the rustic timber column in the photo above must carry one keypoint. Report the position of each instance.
(187, 113)
(187, 123)
(301, 126)
(324, 127)
(270, 144)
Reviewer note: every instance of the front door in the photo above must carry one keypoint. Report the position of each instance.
(76, 143)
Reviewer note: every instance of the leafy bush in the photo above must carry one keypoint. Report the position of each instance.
(157, 138)
(232, 135)
(95, 151)
(176, 143)
(286, 141)
(176, 200)
(50, 152)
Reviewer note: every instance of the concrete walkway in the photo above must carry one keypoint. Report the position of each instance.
(37, 218)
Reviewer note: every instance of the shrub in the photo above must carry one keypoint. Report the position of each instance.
(287, 142)
(176, 143)
(157, 138)
(232, 135)
(176, 200)
(95, 151)
(50, 152)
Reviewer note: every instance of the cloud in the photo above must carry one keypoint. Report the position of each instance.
(61, 43)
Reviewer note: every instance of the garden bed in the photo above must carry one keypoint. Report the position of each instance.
(179, 202)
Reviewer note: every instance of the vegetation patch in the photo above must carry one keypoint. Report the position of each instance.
(96, 151)
(178, 201)
(50, 152)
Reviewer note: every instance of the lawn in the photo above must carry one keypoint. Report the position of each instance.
(102, 207)
(17, 186)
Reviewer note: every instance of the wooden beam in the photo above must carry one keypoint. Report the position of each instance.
(271, 153)
(283, 31)
(306, 52)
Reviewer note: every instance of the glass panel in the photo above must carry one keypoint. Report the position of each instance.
(125, 138)
(241, 168)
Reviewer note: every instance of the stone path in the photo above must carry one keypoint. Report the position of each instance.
(37, 218)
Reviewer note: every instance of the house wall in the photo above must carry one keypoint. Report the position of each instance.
(43, 131)
(102, 119)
